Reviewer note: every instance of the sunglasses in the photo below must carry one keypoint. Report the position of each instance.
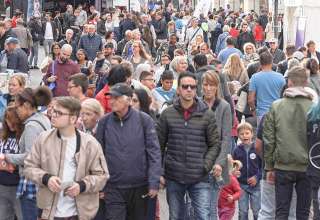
(192, 87)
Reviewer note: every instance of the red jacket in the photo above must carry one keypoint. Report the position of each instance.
(258, 33)
(234, 32)
(233, 189)
(103, 99)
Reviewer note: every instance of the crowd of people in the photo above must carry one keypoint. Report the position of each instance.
(211, 109)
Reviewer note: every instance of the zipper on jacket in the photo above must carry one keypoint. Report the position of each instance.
(54, 195)
(121, 122)
(247, 153)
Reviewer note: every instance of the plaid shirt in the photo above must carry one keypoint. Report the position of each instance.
(26, 188)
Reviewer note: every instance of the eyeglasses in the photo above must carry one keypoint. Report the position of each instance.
(56, 48)
(57, 113)
(192, 87)
(153, 80)
(70, 87)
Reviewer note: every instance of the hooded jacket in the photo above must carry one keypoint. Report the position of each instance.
(191, 146)
(285, 132)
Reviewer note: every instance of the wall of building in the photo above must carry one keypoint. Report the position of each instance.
(308, 9)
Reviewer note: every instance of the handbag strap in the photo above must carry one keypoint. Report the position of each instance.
(52, 68)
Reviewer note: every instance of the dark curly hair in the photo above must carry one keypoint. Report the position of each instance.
(41, 96)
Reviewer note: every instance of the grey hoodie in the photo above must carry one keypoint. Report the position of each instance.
(31, 131)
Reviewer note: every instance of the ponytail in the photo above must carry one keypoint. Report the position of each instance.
(41, 96)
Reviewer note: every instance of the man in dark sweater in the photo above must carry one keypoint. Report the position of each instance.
(245, 37)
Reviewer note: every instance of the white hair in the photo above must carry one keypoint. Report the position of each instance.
(66, 47)
(69, 30)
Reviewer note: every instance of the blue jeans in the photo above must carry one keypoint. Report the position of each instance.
(252, 195)
(214, 194)
(28, 208)
(199, 194)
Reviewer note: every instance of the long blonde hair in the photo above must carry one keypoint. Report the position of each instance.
(234, 67)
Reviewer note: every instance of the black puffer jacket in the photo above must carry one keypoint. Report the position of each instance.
(190, 146)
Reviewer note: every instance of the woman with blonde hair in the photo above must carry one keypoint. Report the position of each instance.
(222, 110)
(17, 83)
(235, 71)
(91, 112)
(250, 54)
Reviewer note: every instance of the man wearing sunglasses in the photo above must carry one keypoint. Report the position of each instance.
(68, 166)
(190, 143)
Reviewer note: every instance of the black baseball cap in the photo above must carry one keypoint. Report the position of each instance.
(120, 89)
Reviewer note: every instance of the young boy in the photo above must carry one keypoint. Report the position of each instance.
(165, 93)
(250, 172)
(230, 193)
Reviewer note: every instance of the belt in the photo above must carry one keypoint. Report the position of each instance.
(75, 217)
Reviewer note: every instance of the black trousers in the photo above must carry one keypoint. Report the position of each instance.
(284, 183)
(315, 184)
(126, 204)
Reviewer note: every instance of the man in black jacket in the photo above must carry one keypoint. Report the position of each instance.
(69, 40)
(312, 53)
(245, 37)
(126, 24)
(190, 143)
(50, 33)
(160, 27)
(37, 36)
(17, 58)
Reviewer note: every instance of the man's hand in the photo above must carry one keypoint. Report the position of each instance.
(270, 177)
(54, 184)
(152, 193)
(252, 181)
(162, 182)
(101, 195)
(51, 79)
(217, 170)
(230, 198)
(73, 191)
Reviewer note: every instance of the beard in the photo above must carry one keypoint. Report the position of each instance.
(63, 59)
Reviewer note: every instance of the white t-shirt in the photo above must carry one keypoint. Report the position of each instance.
(48, 35)
(66, 206)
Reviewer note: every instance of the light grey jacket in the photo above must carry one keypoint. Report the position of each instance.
(224, 122)
(32, 129)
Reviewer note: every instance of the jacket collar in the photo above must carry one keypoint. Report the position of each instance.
(129, 113)
(77, 136)
(199, 106)
(294, 92)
